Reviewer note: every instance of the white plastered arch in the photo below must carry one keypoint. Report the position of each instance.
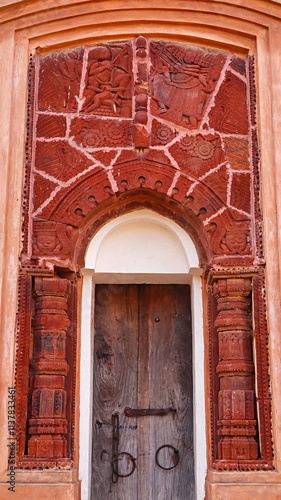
(141, 247)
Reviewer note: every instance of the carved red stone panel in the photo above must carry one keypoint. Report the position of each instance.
(59, 81)
(240, 196)
(43, 188)
(197, 154)
(237, 152)
(161, 133)
(60, 160)
(95, 133)
(108, 84)
(50, 126)
(229, 113)
(151, 175)
(183, 80)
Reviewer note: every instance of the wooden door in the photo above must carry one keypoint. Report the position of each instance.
(142, 360)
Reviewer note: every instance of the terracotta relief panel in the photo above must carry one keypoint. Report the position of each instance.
(59, 81)
(108, 84)
(183, 79)
(161, 122)
(161, 104)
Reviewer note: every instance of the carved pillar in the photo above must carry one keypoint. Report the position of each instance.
(48, 425)
(236, 424)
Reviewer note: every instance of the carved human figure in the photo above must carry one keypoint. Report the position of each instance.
(46, 244)
(51, 238)
(107, 80)
(235, 241)
(71, 68)
(181, 84)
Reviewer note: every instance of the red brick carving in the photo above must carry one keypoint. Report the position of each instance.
(60, 160)
(71, 206)
(42, 189)
(239, 65)
(95, 133)
(198, 154)
(237, 152)
(52, 239)
(141, 136)
(226, 116)
(237, 423)
(240, 196)
(49, 126)
(60, 75)
(161, 133)
(126, 125)
(182, 80)
(236, 241)
(108, 87)
(47, 422)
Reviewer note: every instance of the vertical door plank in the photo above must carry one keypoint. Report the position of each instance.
(144, 452)
(115, 387)
(171, 387)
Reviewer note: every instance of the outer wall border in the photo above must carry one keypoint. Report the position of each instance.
(18, 39)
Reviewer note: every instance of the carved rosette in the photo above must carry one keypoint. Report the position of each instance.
(47, 423)
(236, 425)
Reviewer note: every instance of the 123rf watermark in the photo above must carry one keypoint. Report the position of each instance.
(11, 472)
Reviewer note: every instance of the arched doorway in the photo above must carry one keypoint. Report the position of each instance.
(138, 261)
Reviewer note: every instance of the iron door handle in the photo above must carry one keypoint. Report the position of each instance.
(115, 451)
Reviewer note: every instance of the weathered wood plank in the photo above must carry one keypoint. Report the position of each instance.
(144, 471)
(115, 387)
(170, 362)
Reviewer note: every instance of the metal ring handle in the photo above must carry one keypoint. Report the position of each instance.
(176, 452)
(115, 459)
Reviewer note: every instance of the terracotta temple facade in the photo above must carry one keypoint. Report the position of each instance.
(109, 109)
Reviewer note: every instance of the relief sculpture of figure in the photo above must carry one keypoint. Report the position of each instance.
(108, 80)
(181, 82)
(71, 69)
(59, 89)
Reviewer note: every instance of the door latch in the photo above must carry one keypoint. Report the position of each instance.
(142, 412)
(115, 451)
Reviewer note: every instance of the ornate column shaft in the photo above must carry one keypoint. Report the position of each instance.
(49, 368)
(236, 424)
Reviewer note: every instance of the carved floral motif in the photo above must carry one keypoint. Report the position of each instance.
(97, 133)
(198, 154)
(161, 133)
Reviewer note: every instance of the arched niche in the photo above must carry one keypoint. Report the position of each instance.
(141, 243)
(141, 247)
